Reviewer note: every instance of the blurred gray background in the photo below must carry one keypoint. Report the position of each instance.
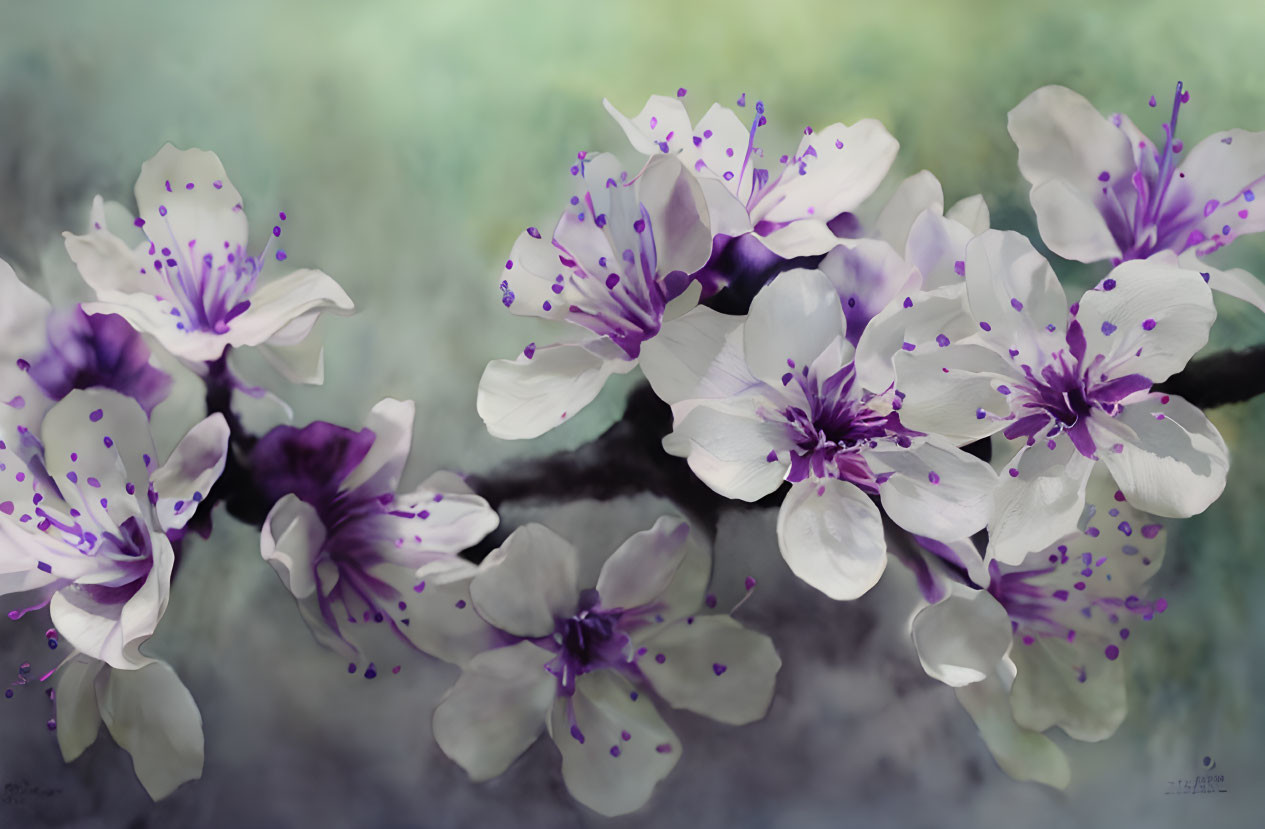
(409, 143)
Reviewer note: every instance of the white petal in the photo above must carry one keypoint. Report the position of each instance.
(792, 321)
(961, 639)
(528, 582)
(949, 402)
(682, 303)
(971, 213)
(527, 397)
(1161, 311)
(1014, 290)
(432, 519)
(87, 467)
(660, 117)
(1023, 754)
(917, 322)
(806, 237)
(831, 535)
(206, 213)
(605, 772)
(727, 445)
(23, 317)
(152, 717)
(845, 165)
(679, 219)
(715, 667)
(919, 192)
(496, 709)
(190, 471)
(391, 422)
(150, 315)
(935, 490)
(291, 540)
(724, 141)
(107, 264)
(1177, 465)
(936, 246)
(1220, 168)
(1048, 690)
(114, 633)
(1061, 135)
(278, 303)
(867, 276)
(1235, 282)
(298, 357)
(78, 718)
(644, 565)
(698, 355)
(1070, 223)
(441, 617)
(1040, 504)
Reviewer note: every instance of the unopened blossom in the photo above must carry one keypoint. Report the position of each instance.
(348, 546)
(1075, 384)
(148, 711)
(774, 397)
(618, 263)
(1039, 643)
(85, 508)
(193, 284)
(1103, 191)
(583, 663)
(786, 203)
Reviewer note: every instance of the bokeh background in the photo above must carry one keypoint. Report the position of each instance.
(409, 143)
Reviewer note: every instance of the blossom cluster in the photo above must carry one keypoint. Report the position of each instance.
(897, 379)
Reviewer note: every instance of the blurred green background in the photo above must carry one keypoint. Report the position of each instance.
(409, 143)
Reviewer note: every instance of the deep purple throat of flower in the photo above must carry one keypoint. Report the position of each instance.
(101, 350)
(840, 420)
(1063, 394)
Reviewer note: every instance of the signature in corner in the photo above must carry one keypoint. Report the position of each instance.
(17, 792)
(1208, 782)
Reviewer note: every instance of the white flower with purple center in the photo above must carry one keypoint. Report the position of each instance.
(616, 266)
(787, 205)
(1040, 645)
(1075, 385)
(193, 284)
(85, 509)
(774, 397)
(584, 661)
(149, 713)
(1102, 191)
(349, 547)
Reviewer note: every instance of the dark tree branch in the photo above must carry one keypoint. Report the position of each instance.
(1221, 378)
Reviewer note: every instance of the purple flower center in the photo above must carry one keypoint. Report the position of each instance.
(1156, 207)
(620, 295)
(840, 420)
(592, 639)
(1066, 392)
(210, 283)
(101, 350)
